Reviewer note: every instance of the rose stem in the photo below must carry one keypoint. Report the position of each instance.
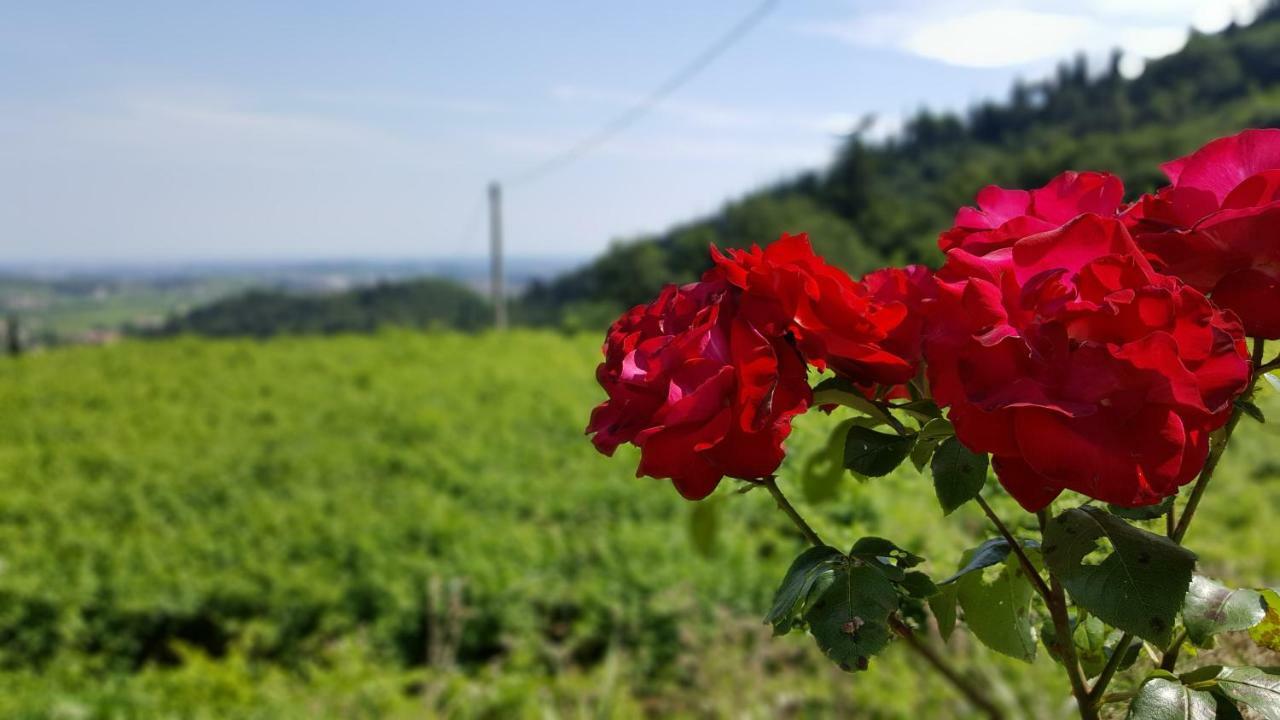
(1057, 603)
(1109, 670)
(771, 483)
(1032, 574)
(937, 662)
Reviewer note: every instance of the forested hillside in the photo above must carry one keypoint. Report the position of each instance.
(880, 202)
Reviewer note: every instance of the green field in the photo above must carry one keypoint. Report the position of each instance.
(413, 525)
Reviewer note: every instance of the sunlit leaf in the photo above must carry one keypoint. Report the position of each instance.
(1163, 699)
(998, 611)
(1267, 633)
(1256, 688)
(1211, 608)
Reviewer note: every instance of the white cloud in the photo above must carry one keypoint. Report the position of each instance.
(1204, 15)
(996, 38)
(1024, 33)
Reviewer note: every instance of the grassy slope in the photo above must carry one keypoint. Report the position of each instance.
(251, 529)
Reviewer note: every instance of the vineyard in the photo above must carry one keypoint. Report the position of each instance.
(413, 525)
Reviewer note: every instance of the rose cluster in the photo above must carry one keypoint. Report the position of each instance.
(1085, 344)
(705, 379)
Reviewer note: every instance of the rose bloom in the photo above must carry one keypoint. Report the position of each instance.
(1004, 216)
(1217, 226)
(703, 383)
(868, 332)
(1078, 367)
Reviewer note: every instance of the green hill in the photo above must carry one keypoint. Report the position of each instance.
(886, 202)
(423, 303)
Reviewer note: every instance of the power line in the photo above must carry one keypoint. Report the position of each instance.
(628, 117)
(472, 224)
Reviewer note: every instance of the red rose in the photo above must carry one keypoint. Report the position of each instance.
(864, 331)
(704, 385)
(1078, 367)
(1005, 216)
(1217, 226)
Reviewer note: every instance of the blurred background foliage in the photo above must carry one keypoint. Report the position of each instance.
(410, 525)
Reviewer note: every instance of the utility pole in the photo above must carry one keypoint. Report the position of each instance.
(496, 284)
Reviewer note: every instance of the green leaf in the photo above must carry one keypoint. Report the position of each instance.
(923, 410)
(1161, 699)
(1090, 638)
(1272, 380)
(931, 434)
(1253, 411)
(824, 469)
(1140, 583)
(1267, 633)
(1256, 688)
(937, 430)
(958, 474)
(838, 391)
(875, 454)
(989, 553)
(1145, 512)
(798, 583)
(999, 611)
(943, 605)
(876, 548)
(704, 525)
(918, 585)
(850, 620)
(1091, 646)
(1211, 608)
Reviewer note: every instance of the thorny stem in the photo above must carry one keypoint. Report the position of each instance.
(936, 661)
(1215, 454)
(1032, 574)
(1057, 602)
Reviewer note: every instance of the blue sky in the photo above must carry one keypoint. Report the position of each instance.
(168, 131)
